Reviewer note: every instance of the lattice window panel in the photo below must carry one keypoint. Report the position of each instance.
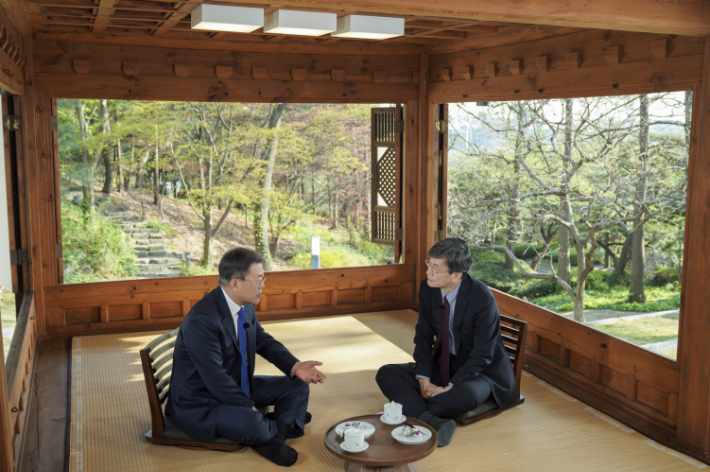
(383, 125)
(386, 173)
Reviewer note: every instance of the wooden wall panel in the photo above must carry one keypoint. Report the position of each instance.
(316, 299)
(162, 303)
(82, 315)
(599, 366)
(76, 70)
(124, 312)
(166, 309)
(570, 66)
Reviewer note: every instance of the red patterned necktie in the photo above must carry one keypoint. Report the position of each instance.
(445, 343)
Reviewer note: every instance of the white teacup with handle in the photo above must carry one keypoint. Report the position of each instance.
(354, 438)
(393, 412)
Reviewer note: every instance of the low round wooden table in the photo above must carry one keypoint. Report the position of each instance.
(384, 453)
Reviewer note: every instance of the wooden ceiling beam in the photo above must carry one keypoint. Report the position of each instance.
(690, 17)
(173, 19)
(103, 15)
(34, 14)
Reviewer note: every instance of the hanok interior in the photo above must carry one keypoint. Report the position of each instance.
(453, 51)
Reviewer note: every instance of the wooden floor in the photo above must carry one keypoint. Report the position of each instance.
(550, 431)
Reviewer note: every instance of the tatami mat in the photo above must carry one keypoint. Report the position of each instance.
(551, 431)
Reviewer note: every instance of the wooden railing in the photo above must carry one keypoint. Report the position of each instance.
(631, 378)
(20, 372)
(162, 303)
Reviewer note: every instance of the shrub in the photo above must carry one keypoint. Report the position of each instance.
(533, 288)
(169, 231)
(526, 251)
(490, 257)
(664, 276)
(495, 276)
(95, 248)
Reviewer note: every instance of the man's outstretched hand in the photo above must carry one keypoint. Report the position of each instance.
(307, 372)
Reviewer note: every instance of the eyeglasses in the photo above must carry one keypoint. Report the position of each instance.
(258, 284)
(432, 268)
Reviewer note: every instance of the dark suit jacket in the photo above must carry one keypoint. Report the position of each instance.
(480, 351)
(207, 363)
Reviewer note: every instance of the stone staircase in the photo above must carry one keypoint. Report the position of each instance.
(154, 257)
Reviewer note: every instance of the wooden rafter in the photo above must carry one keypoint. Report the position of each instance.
(174, 17)
(103, 15)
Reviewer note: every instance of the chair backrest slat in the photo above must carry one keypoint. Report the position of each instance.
(164, 348)
(160, 375)
(514, 333)
(158, 354)
(161, 339)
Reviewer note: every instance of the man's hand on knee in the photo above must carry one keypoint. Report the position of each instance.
(307, 372)
(427, 388)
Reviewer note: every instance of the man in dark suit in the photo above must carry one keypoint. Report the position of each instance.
(213, 389)
(460, 360)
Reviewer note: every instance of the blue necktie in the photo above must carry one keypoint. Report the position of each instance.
(243, 350)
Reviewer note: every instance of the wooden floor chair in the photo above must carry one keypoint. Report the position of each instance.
(514, 332)
(157, 360)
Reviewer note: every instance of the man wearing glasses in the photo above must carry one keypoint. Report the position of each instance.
(213, 389)
(460, 360)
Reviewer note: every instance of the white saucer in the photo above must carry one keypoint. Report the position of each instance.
(400, 420)
(411, 440)
(345, 448)
(367, 428)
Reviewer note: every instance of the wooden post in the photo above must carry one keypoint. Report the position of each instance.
(34, 190)
(425, 178)
(693, 348)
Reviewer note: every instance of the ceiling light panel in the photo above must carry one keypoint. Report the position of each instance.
(227, 18)
(305, 23)
(369, 27)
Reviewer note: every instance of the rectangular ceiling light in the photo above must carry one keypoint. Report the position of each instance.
(305, 23)
(227, 18)
(369, 27)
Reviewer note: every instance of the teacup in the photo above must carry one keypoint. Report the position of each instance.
(393, 411)
(354, 438)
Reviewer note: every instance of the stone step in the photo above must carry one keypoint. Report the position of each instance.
(158, 253)
(125, 218)
(153, 275)
(158, 268)
(131, 225)
(145, 233)
(150, 244)
(159, 260)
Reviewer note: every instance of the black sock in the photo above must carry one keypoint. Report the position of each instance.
(444, 427)
(283, 431)
(277, 452)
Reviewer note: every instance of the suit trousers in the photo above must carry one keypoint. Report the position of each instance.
(398, 383)
(246, 426)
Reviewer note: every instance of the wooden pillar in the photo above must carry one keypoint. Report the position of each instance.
(33, 190)
(410, 195)
(693, 348)
(426, 179)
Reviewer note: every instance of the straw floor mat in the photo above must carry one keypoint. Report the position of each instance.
(551, 431)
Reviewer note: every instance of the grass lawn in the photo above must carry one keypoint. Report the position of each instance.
(615, 298)
(645, 331)
(7, 309)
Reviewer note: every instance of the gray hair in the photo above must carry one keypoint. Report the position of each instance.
(235, 264)
(455, 252)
